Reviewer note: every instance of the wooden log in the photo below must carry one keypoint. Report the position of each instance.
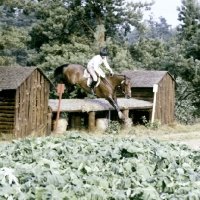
(9, 126)
(7, 103)
(22, 108)
(158, 109)
(75, 121)
(30, 113)
(168, 97)
(6, 119)
(7, 131)
(150, 115)
(162, 103)
(10, 115)
(20, 111)
(42, 100)
(132, 116)
(46, 100)
(7, 111)
(27, 106)
(172, 101)
(38, 97)
(17, 126)
(8, 99)
(34, 100)
(91, 121)
(6, 123)
(7, 107)
(126, 113)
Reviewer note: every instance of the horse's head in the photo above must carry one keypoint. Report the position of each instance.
(126, 87)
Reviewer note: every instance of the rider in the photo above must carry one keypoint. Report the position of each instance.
(94, 69)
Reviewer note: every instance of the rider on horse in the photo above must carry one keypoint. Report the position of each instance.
(94, 69)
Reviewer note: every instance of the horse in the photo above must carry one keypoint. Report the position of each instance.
(73, 74)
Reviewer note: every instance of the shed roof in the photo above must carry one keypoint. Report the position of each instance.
(88, 105)
(13, 77)
(140, 78)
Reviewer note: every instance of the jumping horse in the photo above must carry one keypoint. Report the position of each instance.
(72, 74)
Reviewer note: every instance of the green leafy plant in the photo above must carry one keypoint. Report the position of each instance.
(148, 124)
(75, 166)
(113, 127)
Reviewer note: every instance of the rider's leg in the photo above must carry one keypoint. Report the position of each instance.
(92, 87)
(94, 79)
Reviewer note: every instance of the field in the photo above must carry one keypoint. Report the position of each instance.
(138, 164)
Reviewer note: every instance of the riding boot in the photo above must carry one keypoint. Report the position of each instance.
(92, 87)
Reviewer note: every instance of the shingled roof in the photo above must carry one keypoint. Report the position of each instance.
(13, 77)
(142, 78)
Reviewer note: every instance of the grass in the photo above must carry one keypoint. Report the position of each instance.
(175, 131)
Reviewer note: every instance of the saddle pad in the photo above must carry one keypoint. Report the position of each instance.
(87, 75)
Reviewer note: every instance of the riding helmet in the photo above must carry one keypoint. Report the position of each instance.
(103, 52)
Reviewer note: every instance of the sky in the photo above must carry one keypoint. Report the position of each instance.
(166, 9)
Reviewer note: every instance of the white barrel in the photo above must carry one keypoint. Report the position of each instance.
(101, 124)
(61, 127)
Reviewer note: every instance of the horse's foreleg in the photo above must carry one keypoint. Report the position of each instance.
(115, 105)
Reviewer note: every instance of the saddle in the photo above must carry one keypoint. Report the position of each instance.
(87, 75)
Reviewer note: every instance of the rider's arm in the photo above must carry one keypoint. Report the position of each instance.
(107, 65)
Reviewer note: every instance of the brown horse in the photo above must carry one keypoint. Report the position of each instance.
(72, 74)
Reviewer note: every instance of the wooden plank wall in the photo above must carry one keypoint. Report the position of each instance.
(165, 100)
(32, 106)
(145, 94)
(7, 111)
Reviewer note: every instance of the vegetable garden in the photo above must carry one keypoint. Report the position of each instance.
(85, 167)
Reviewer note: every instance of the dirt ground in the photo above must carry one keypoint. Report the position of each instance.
(192, 139)
(192, 143)
(195, 143)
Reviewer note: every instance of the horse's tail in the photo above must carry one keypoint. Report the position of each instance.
(58, 73)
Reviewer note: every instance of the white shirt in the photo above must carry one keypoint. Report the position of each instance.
(96, 61)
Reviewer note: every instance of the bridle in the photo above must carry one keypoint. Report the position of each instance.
(126, 85)
(120, 86)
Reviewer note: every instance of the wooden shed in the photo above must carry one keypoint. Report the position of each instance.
(142, 88)
(24, 95)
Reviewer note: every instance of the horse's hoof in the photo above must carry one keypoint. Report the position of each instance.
(121, 116)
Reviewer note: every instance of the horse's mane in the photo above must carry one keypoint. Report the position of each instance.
(121, 75)
(109, 77)
(115, 75)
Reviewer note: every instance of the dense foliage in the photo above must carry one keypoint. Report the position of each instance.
(80, 167)
(50, 33)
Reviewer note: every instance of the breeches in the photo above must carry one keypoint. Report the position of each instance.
(92, 73)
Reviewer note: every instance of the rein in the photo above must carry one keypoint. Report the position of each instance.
(123, 92)
(105, 80)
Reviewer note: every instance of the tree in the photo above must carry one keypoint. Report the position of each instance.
(13, 36)
(67, 30)
(12, 46)
(189, 29)
(188, 69)
(189, 16)
(150, 47)
(160, 29)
